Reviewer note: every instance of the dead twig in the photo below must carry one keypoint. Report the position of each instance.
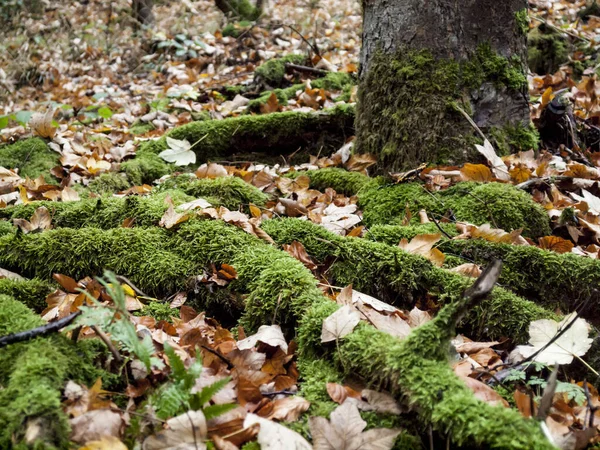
(43, 330)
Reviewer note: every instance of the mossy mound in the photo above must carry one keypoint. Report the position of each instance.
(555, 280)
(109, 183)
(32, 376)
(146, 167)
(340, 180)
(501, 205)
(547, 49)
(32, 293)
(269, 134)
(400, 278)
(272, 72)
(31, 156)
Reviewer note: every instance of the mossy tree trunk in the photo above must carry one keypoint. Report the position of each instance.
(420, 60)
(142, 11)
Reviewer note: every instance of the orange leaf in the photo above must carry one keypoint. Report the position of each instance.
(520, 174)
(476, 172)
(555, 244)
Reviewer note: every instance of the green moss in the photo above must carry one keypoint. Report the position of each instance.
(109, 183)
(547, 49)
(340, 180)
(158, 310)
(31, 156)
(501, 205)
(522, 21)
(251, 446)
(32, 293)
(140, 128)
(236, 29)
(32, 376)
(142, 255)
(145, 168)
(272, 72)
(512, 138)
(592, 9)
(418, 122)
(239, 9)
(400, 278)
(269, 133)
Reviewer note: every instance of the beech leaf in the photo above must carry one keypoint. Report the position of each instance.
(179, 152)
(339, 324)
(273, 436)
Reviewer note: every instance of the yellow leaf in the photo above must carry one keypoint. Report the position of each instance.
(476, 172)
(104, 443)
(547, 96)
(272, 104)
(520, 174)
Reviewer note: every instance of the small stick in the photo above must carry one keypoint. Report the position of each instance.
(39, 331)
(219, 355)
(306, 69)
(102, 335)
(125, 280)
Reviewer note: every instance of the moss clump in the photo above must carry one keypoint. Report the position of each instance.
(32, 293)
(547, 49)
(109, 183)
(145, 168)
(236, 29)
(400, 278)
(140, 128)
(272, 72)
(552, 279)
(31, 156)
(340, 180)
(522, 21)
(32, 376)
(418, 121)
(501, 205)
(275, 134)
(514, 138)
(142, 255)
(158, 310)
(239, 9)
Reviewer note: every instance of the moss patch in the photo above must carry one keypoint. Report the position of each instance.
(272, 72)
(501, 205)
(340, 180)
(418, 122)
(31, 156)
(109, 183)
(32, 293)
(32, 375)
(547, 49)
(146, 167)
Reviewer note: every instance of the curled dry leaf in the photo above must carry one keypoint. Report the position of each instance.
(183, 432)
(297, 250)
(498, 167)
(41, 124)
(289, 409)
(211, 170)
(94, 425)
(423, 245)
(556, 244)
(267, 334)
(40, 220)
(468, 269)
(339, 393)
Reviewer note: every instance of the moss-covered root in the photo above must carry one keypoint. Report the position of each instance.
(272, 72)
(400, 278)
(146, 167)
(31, 156)
(32, 293)
(555, 280)
(270, 134)
(417, 371)
(32, 376)
(340, 180)
(501, 205)
(547, 49)
(110, 212)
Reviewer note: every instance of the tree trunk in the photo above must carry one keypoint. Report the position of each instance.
(142, 11)
(422, 62)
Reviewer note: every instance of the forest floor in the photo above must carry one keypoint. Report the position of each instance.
(257, 286)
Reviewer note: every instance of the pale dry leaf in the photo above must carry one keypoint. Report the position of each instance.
(171, 218)
(95, 424)
(467, 269)
(573, 342)
(273, 436)
(69, 195)
(211, 170)
(339, 324)
(416, 317)
(10, 275)
(390, 324)
(41, 124)
(498, 167)
(198, 203)
(179, 152)
(382, 402)
(289, 409)
(267, 334)
(185, 432)
(422, 244)
(483, 392)
(592, 201)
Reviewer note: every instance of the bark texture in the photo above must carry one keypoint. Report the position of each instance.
(422, 59)
(142, 11)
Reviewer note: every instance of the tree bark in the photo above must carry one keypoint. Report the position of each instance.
(142, 11)
(422, 61)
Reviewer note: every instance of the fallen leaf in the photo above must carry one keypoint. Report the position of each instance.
(267, 334)
(297, 250)
(41, 124)
(273, 436)
(468, 269)
(483, 392)
(339, 393)
(289, 409)
(105, 443)
(179, 152)
(498, 167)
(271, 105)
(423, 245)
(573, 342)
(344, 431)
(476, 172)
(211, 170)
(94, 425)
(339, 324)
(555, 244)
(186, 431)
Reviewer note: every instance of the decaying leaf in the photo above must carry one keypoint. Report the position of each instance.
(94, 425)
(186, 431)
(40, 220)
(41, 124)
(498, 166)
(423, 245)
(273, 436)
(267, 334)
(339, 324)
(344, 431)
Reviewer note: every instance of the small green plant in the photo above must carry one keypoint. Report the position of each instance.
(114, 320)
(176, 397)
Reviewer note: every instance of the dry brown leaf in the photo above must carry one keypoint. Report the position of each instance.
(183, 431)
(555, 244)
(483, 392)
(273, 436)
(360, 162)
(289, 409)
(339, 393)
(297, 250)
(423, 245)
(467, 269)
(267, 334)
(344, 431)
(416, 317)
(41, 124)
(211, 170)
(40, 220)
(271, 105)
(381, 402)
(94, 425)
(293, 185)
(69, 195)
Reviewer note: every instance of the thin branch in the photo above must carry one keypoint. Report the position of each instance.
(102, 335)
(43, 330)
(219, 355)
(306, 69)
(125, 280)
